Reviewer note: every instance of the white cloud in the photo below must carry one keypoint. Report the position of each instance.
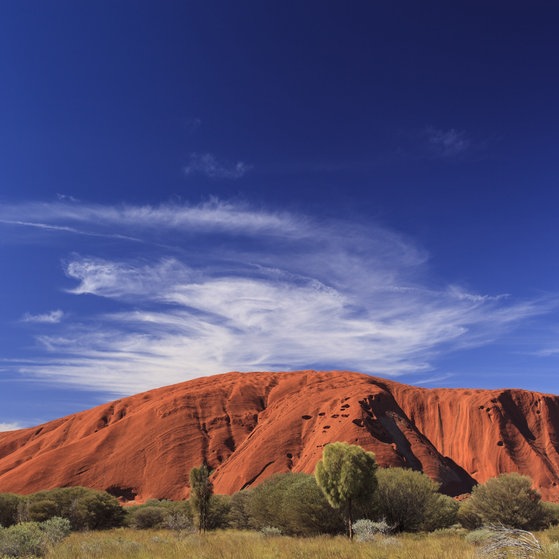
(232, 287)
(121, 221)
(13, 426)
(447, 143)
(52, 317)
(207, 164)
(276, 291)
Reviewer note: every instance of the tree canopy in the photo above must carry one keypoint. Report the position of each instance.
(346, 475)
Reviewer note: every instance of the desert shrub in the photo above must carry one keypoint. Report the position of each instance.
(21, 540)
(508, 500)
(32, 539)
(467, 515)
(84, 508)
(270, 531)
(178, 521)
(478, 537)
(551, 513)
(239, 517)
(9, 505)
(294, 504)
(366, 530)
(42, 509)
(218, 512)
(146, 517)
(409, 501)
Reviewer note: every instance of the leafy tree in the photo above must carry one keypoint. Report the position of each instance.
(201, 490)
(346, 475)
(409, 501)
(508, 500)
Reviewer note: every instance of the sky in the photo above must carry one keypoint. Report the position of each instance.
(191, 188)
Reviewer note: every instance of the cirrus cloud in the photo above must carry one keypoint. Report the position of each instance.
(233, 287)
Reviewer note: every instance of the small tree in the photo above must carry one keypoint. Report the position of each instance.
(201, 490)
(508, 500)
(346, 475)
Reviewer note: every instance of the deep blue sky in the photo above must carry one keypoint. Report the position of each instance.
(188, 188)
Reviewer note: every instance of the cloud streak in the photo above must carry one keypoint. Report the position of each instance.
(52, 317)
(207, 164)
(447, 143)
(241, 288)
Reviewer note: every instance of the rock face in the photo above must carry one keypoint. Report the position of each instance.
(249, 426)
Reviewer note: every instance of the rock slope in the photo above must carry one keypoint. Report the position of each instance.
(249, 426)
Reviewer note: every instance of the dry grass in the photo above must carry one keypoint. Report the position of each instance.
(132, 544)
(230, 544)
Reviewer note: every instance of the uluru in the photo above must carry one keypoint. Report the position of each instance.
(249, 426)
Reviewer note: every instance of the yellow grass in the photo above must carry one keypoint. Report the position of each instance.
(230, 544)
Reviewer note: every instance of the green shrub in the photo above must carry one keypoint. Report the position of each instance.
(239, 516)
(32, 539)
(55, 529)
(508, 500)
(9, 505)
(409, 501)
(84, 508)
(218, 512)
(145, 517)
(294, 504)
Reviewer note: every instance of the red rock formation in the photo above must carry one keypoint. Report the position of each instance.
(248, 426)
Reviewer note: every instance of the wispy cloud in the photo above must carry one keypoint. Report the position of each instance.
(242, 288)
(207, 164)
(52, 317)
(447, 143)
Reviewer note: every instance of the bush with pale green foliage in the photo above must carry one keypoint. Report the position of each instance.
(292, 503)
(507, 500)
(32, 539)
(410, 501)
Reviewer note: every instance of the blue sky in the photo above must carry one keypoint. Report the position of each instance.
(189, 188)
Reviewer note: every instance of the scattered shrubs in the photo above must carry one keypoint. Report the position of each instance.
(508, 500)
(409, 501)
(86, 509)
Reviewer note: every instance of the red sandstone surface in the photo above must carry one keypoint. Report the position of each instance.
(249, 426)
